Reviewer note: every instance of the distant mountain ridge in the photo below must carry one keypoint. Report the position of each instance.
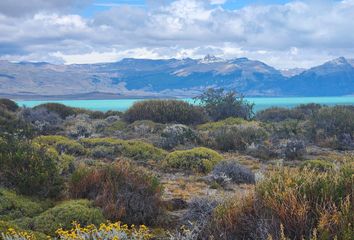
(174, 78)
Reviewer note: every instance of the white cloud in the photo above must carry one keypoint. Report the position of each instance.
(297, 34)
(216, 2)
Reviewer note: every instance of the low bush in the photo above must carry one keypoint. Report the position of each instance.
(238, 137)
(42, 120)
(210, 126)
(62, 144)
(28, 169)
(234, 171)
(124, 191)
(113, 119)
(294, 149)
(334, 127)
(11, 124)
(318, 165)
(236, 218)
(116, 126)
(58, 108)
(109, 142)
(104, 147)
(103, 152)
(112, 113)
(200, 160)
(177, 134)
(80, 130)
(199, 211)
(143, 127)
(14, 206)
(64, 214)
(5, 226)
(134, 149)
(10, 231)
(141, 151)
(277, 114)
(165, 111)
(99, 126)
(8, 104)
(288, 129)
(265, 151)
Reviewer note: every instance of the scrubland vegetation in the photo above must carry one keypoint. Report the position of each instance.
(166, 169)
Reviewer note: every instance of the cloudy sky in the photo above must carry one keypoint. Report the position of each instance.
(284, 34)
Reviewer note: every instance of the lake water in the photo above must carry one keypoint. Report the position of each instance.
(260, 102)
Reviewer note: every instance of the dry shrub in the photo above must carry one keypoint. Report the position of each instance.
(304, 200)
(237, 218)
(290, 204)
(165, 111)
(124, 191)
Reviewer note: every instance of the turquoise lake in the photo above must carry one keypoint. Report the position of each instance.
(260, 102)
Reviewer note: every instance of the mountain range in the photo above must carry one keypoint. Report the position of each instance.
(172, 78)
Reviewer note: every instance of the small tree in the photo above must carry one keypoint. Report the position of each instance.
(221, 104)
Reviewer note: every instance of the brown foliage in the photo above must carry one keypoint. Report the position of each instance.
(124, 191)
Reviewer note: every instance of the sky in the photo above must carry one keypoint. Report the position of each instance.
(283, 34)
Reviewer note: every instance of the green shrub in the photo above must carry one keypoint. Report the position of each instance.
(5, 226)
(124, 191)
(28, 169)
(136, 150)
(318, 165)
(220, 104)
(334, 127)
(198, 159)
(142, 151)
(13, 206)
(116, 126)
(62, 144)
(165, 111)
(277, 114)
(8, 104)
(288, 129)
(64, 214)
(93, 142)
(307, 111)
(103, 152)
(58, 108)
(238, 137)
(216, 125)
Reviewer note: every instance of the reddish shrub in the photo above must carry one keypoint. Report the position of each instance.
(124, 191)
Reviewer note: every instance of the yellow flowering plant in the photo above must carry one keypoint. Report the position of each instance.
(116, 231)
(106, 231)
